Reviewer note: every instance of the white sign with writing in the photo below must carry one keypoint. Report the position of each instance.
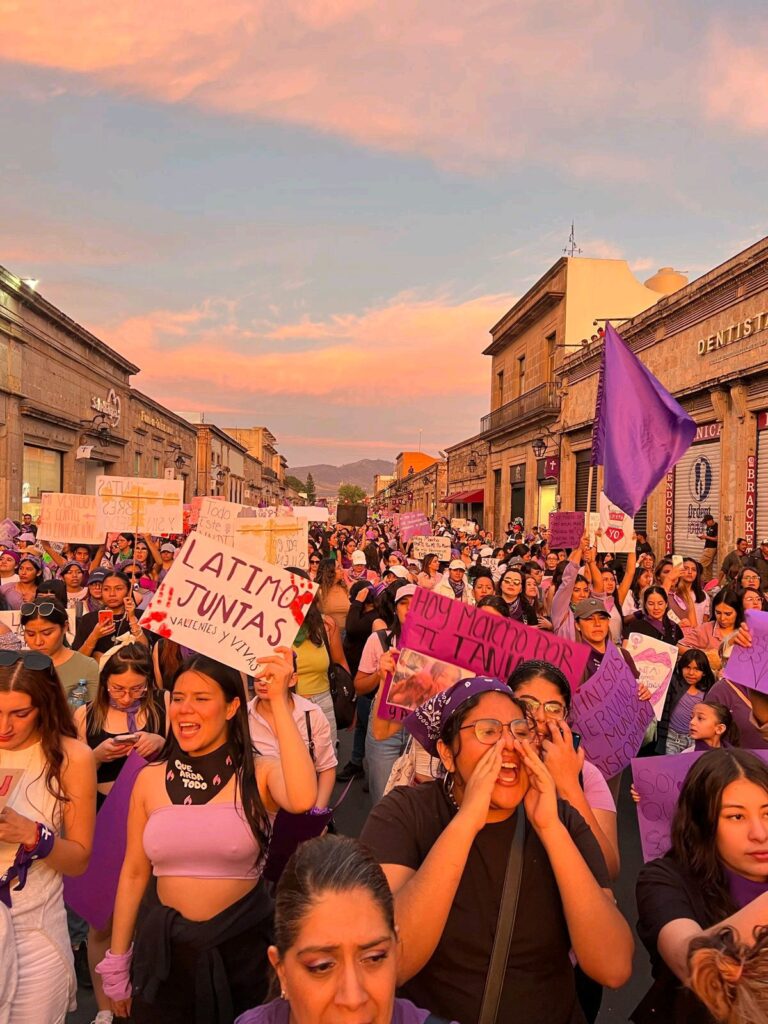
(440, 546)
(279, 539)
(463, 525)
(72, 518)
(128, 504)
(617, 528)
(223, 603)
(656, 662)
(313, 513)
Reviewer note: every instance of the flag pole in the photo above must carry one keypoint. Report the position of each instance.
(589, 503)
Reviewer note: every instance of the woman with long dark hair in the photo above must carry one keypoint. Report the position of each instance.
(654, 620)
(510, 589)
(715, 875)
(333, 595)
(30, 577)
(430, 574)
(717, 636)
(687, 598)
(45, 623)
(632, 603)
(97, 633)
(199, 820)
(356, 978)
(46, 832)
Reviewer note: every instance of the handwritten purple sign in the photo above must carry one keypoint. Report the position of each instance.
(92, 895)
(749, 665)
(414, 524)
(486, 645)
(565, 529)
(610, 716)
(658, 780)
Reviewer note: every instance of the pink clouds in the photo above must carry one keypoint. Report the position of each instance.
(410, 349)
(465, 85)
(736, 82)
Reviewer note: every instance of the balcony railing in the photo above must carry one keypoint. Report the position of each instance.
(268, 474)
(534, 404)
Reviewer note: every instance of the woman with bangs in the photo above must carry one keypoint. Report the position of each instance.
(46, 832)
(199, 821)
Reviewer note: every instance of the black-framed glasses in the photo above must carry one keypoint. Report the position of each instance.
(42, 610)
(314, 561)
(552, 708)
(29, 659)
(490, 730)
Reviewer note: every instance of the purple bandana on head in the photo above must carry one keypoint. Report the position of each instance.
(427, 722)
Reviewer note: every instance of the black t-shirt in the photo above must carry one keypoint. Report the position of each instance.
(670, 634)
(539, 987)
(86, 625)
(710, 534)
(665, 893)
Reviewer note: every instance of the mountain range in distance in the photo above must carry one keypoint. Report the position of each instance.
(328, 478)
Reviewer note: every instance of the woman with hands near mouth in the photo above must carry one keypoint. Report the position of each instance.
(444, 848)
(199, 821)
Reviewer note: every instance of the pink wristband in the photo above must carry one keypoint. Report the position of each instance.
(115, 971)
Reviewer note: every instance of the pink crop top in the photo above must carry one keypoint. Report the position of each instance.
(201, 841)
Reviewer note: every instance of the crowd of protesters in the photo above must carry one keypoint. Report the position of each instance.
(226, 908)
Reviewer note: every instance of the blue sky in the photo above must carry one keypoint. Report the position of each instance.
(308, 213)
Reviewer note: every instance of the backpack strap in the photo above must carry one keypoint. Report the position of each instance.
(310, 741)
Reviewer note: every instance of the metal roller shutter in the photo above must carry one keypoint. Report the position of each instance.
(761, 515)
(582, 482)
(697, 493)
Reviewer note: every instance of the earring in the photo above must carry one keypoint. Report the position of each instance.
(282, 994)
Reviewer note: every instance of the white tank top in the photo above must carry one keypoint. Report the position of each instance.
(31, 796)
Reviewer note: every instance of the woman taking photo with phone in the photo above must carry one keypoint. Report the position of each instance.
(128, 713)
(445, 847)
(199, 821)
(46, 831)
(97, 631)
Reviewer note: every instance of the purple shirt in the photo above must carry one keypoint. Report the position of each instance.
(279, 1012)
(753, 737)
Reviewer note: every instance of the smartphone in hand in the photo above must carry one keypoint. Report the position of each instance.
(106, 617)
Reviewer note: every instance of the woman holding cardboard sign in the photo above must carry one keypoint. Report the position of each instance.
(451, 850)
(199, 820)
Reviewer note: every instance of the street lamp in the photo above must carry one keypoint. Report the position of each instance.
(539, 446)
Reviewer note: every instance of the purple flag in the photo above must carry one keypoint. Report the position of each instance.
(640, 430)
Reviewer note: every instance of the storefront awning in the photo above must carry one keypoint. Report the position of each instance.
(466, 497)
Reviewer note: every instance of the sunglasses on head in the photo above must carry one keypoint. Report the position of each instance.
(29, 659)
(42, 610)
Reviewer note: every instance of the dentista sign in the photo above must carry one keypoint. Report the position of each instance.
(109, 406)
(736, 332)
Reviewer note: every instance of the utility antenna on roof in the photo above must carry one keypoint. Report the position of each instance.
(572, 249)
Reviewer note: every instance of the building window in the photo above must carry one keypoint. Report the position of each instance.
(500, 388)
(42, 473)
(551, 340)
(521, 375)
(155, 466)
(137, 463)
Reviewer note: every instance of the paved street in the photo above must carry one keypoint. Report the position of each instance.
(616, 1005)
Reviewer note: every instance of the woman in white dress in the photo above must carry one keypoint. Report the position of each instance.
(46, 831)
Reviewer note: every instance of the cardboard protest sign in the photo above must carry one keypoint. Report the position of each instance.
(463, 526)
(280, 540)
(9, 531)
(222, 602)
(352, 515)
(69, 517)
(440, 546)
(565, 529)
(313, 513)
(749, 665)
(486, 645)
(196, 504)
(139, 505)
(414, 524)
(9, 780)
(610, 716)
(656, 662)
(416, 678)
(659, 780)
(617, 528)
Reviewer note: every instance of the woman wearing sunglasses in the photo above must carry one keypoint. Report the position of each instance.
(444, 848)
(46, 831)
(128, 713)
(45, 623)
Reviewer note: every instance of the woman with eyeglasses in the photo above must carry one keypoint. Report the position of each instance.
(45, 623)
(444, 847)
(30, 576)
(46, 832)
(128, 713)
(98, 631)
(314, 564)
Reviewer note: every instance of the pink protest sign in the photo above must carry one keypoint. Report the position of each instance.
(610, 716)
(414, 524)
(749, 665)
(565, 529)
(416, 678)
(486, 645)
(658, 780)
